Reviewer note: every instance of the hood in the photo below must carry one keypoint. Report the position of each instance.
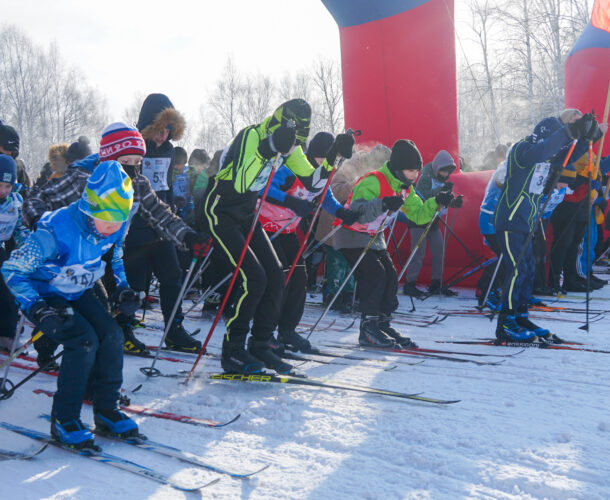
(443, 160)
(157, 114)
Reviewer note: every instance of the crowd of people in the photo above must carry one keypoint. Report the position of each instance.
(81, 245)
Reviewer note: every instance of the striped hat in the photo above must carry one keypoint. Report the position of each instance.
(108, 195)
(119, 139)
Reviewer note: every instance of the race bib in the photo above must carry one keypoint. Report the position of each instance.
(538, 180)
(74, 279)
(260, 182)
(155, 170)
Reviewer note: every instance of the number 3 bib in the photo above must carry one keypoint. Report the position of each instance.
(538, 180)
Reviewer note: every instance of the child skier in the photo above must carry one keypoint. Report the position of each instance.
(52, 276)
(376, 197)
(288, 197)
(11, 226)
(532, 167)
(230, 204)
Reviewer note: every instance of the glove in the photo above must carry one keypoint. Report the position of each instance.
(448, 187)
(457, 202)
(443, 198)
(343, 145)
(595, 134)
(601, 204)
(581, 128)
(126, 300)
(50, 320)
(347, 216)
(392, 203)
(180, 202)
(198, 243)
(300, 207)
(280, 141)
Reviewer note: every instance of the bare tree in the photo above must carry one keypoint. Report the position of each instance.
(211, 136)
(132, 112)
(328, 84)
(256, 98)
(225, 99)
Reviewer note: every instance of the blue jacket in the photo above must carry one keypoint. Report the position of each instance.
(528, 165)
(63, 257)
(488, 207)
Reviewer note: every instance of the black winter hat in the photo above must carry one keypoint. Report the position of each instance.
(78, 150)
(151, 107)
(405, 156)
(9, 138)
(320, 145)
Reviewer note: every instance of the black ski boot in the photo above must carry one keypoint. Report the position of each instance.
(435, 288)
(411, 290)
(371, 335)
(294, 342)
(235, 358)
(131, 344)
(262, 351)
(401, 340)
(179, 340)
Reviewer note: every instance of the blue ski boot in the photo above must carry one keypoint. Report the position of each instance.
(115, 423)
(509, 330)
(72, 433)
(493, 300)
(524, 321)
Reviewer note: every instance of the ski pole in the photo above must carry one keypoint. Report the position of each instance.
(456, 278)
(538, 217)
(198, 272)
(491, 283)
(589, 206)
(440, 288)
(321, 242)
(12, 354)
(397, 253)
(421, 238)
(151, 371)
(209, 292)
(7, 393)
(318, 208)
(349, 275)
(237, 268)
(452, 233)
(278, 232)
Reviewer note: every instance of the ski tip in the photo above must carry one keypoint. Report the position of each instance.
(224, 424)
(194, 488)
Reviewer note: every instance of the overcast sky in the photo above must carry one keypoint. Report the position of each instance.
(178, 47)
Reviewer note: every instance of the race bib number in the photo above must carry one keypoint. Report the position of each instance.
(73, 279)
(155, 170)
(538, 180)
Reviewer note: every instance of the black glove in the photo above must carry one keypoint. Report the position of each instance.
(198, 243)
(180, 202)
(280, 141)
(448, 187)
(457, 202)
(581, 128)
(392, 203)
(343, 146)
(50, 320)
(126, 300)
(347, 216)
(300, 207)
(443, 198)
(595, 134)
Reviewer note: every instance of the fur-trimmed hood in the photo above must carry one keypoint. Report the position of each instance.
(157, 114)
(58, 158)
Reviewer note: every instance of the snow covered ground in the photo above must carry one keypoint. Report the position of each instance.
(535, 426)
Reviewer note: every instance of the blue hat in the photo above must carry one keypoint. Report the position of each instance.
(8, 169)
(545, 128)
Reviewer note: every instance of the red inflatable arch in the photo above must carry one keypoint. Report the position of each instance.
(399, 81)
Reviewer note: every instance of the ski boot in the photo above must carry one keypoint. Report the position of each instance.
(131, 344)
(508, 330)
(294, 342)
(235, 359)
(524, 321)
(411, 290)
(261, 350)
(401, 340)
(115, 423)
(370, 333)
(276, 346)
(493, 300)
(179, 340)
(435, 288)
(72, 433)
(551, 338)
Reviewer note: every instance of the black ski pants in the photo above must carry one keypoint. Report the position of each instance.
(377, 280)
(161, 258)
(286, 246)
(9, 312)
(569, 226)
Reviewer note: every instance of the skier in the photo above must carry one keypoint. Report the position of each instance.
(229, 207)
(125, 144)
(11, 226)
(288, 197)
(376, 197)
(52, 275)
(532, 166)
(434, 178)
